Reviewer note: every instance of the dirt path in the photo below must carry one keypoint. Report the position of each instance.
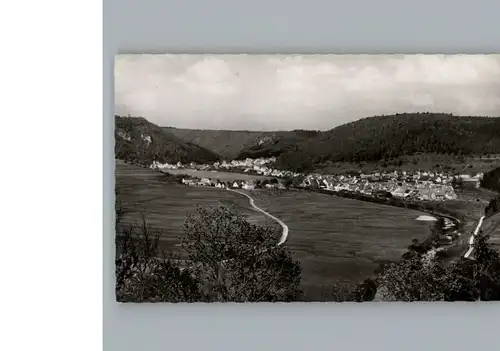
(284, 235)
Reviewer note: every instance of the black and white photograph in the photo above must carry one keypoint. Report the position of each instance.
(307, 178)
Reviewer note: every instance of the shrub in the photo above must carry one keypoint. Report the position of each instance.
(229, 260)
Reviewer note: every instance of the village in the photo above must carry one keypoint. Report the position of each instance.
(418, 185)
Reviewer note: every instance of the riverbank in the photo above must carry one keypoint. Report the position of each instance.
(447, 251)
(429, 208)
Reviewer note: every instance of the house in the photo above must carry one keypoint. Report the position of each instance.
(328, 184)
(450, 196)
(187, 181)
(205, 181)
(471, 182)
(408, 192)
(439, 195)
(249, 185)
(353, 187)
(424, 194)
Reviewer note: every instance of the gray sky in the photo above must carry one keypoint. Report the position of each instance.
(274, 92)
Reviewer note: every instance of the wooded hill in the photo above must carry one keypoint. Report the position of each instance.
(240, 144)
(371, 139)
(387, 137)
(140, 141)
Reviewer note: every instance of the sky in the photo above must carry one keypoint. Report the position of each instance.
(284, 92)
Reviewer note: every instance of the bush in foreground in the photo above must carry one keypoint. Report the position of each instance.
(229, 260)
(233, 260)
(423, 277)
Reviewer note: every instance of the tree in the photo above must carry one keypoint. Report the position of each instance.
(486, 268)
(422, 277)
(412, 279)
(238, 261)
(296, 181)
(314, 184)
(144, 274)
(457, 183)
(493, 207)
(353, 292)
(287, 182)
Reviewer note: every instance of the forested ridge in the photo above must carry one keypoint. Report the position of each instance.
(140, 141)
(379, 138)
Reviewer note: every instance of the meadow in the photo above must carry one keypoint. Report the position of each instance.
(333, 238)
(340, 239)
(141, 192)
(222, 176)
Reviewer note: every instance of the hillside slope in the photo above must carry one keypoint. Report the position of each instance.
(240, 144)
(386, 137)
(227, 143)
(140, 141)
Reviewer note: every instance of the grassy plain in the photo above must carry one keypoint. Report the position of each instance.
(334, 238)
(140, 191)
(222, 176)
(340, 239)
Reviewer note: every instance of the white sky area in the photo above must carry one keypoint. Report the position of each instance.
(278, 92)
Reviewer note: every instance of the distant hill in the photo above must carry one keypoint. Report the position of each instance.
(140, 141)
(281, 143)
(227, 143)
(387, 137)
(236, 144)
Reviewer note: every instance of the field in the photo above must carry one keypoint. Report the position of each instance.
(333, 238)
(222, 176)
(140, 191)
(338, 238)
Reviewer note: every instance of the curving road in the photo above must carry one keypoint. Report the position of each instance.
(284, 235)
(474, 234)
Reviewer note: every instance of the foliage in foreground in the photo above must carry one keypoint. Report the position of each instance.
(229, 259)
(423, 277)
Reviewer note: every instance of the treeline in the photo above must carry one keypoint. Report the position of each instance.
(491, 180)
(141, 142)
(493, 207)
(228, 259)
(385, 139)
